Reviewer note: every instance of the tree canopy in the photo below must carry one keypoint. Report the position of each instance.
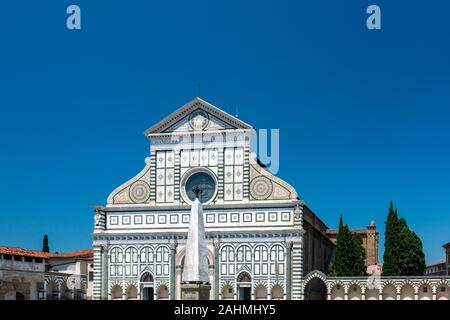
(403, 253)
(348, 255)
(45, 247)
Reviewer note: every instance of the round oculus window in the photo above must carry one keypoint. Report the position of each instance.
(201, 183)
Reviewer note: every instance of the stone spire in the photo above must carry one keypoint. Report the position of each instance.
(195, 269)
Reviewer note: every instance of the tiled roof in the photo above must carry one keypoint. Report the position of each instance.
(23, 252)
(86, 254)
(329, 231)
(443, 262)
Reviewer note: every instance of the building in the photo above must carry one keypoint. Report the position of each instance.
(447, 256)
(369, 238)
(263, 241)
(36, 275)
(441, 268)
(318, 286)
(257, 229)
(437, 269)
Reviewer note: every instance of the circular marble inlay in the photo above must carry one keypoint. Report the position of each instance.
(139, 192)
(261, 188)
(198, 120)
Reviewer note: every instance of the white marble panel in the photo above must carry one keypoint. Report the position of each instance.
(195, 155)
(204, 158)
(213, 157)
(229, 157)
(228, 174)
(239, 156)
(161, 159)
(160, 193)
(238, 192)
(184, 158)
(170, 175)
(169, 194)
(238, 174)
(160, 177)
(170, 159)
(228, 192)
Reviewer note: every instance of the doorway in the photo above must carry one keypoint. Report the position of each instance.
(147, 293)
(19, 296)
(244, 285)
(245, 293)
(316, 290)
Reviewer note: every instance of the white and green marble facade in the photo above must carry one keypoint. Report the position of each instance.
(253, 222)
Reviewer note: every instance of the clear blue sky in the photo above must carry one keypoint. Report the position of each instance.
(363, 115)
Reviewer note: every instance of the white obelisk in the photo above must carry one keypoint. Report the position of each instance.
(195, 280)
(195, 269)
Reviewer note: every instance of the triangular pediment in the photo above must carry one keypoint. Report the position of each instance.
(197, 115)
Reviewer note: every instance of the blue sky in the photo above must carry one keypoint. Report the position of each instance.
(363, 115)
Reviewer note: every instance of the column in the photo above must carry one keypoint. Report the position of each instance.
(97, 283)
(178, 270)
(216, 269)
(211, 277)
(363, 293)
(297, 270)
(45, 289)
(105, 290)
(288, 270)
(58, 286)
(173, 252)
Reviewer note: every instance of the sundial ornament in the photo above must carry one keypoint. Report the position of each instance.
(198, 120)
(197, 191)
(203, 183)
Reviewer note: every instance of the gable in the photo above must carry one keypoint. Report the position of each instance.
(197, 115)
(199, 120)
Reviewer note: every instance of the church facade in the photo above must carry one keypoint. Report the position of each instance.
(254, 223)
(262, 240)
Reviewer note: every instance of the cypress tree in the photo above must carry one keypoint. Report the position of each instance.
(403, 254)
(357, 256)
(348, 256)
(391, 244)
(45, 247)
(411, 256)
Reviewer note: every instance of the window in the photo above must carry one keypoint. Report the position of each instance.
(425, 289)
(91, 276)
(442, 289)
(205, 182)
